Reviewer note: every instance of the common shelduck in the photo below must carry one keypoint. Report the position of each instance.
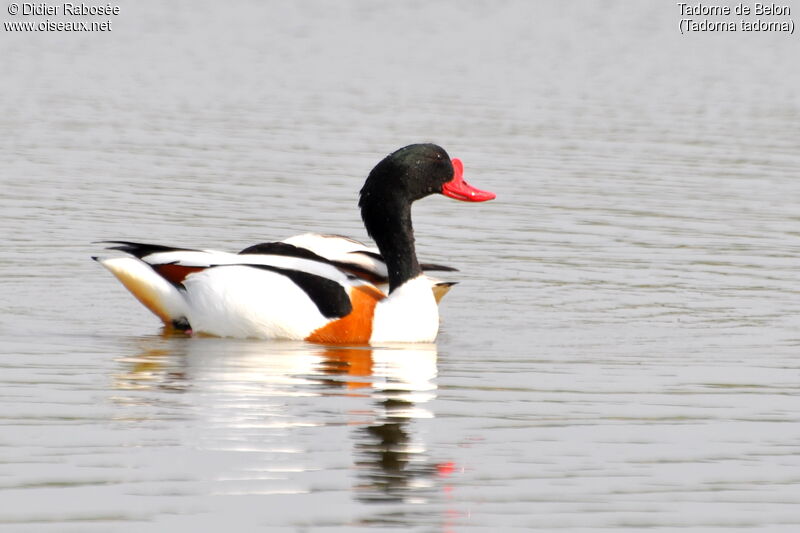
(319, 288)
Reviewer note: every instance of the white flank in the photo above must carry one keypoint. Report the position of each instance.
(408, 314)
(240, 301)
(155, 293)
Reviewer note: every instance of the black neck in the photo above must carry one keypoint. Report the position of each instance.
(389, 224)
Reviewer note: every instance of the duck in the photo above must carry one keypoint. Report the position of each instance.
(324, 289)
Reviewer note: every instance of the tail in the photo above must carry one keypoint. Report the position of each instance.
(161, 297)
(441, 288)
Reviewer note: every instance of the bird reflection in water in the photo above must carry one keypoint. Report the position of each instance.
(390, 387)
(391, 461)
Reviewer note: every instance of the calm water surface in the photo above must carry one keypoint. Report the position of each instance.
(622, 351)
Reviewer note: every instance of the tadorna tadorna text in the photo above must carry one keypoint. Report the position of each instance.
(319, 288)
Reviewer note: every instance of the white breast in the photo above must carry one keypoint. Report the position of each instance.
(408, 314)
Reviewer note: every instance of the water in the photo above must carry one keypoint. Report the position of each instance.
(621, 352)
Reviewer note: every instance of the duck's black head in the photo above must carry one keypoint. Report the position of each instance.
(414, 172)
(408, 174)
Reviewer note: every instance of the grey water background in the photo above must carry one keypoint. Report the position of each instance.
(622, 351)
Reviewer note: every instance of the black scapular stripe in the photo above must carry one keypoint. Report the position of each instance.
(330, 298)
(283, 248)
(373, 255)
